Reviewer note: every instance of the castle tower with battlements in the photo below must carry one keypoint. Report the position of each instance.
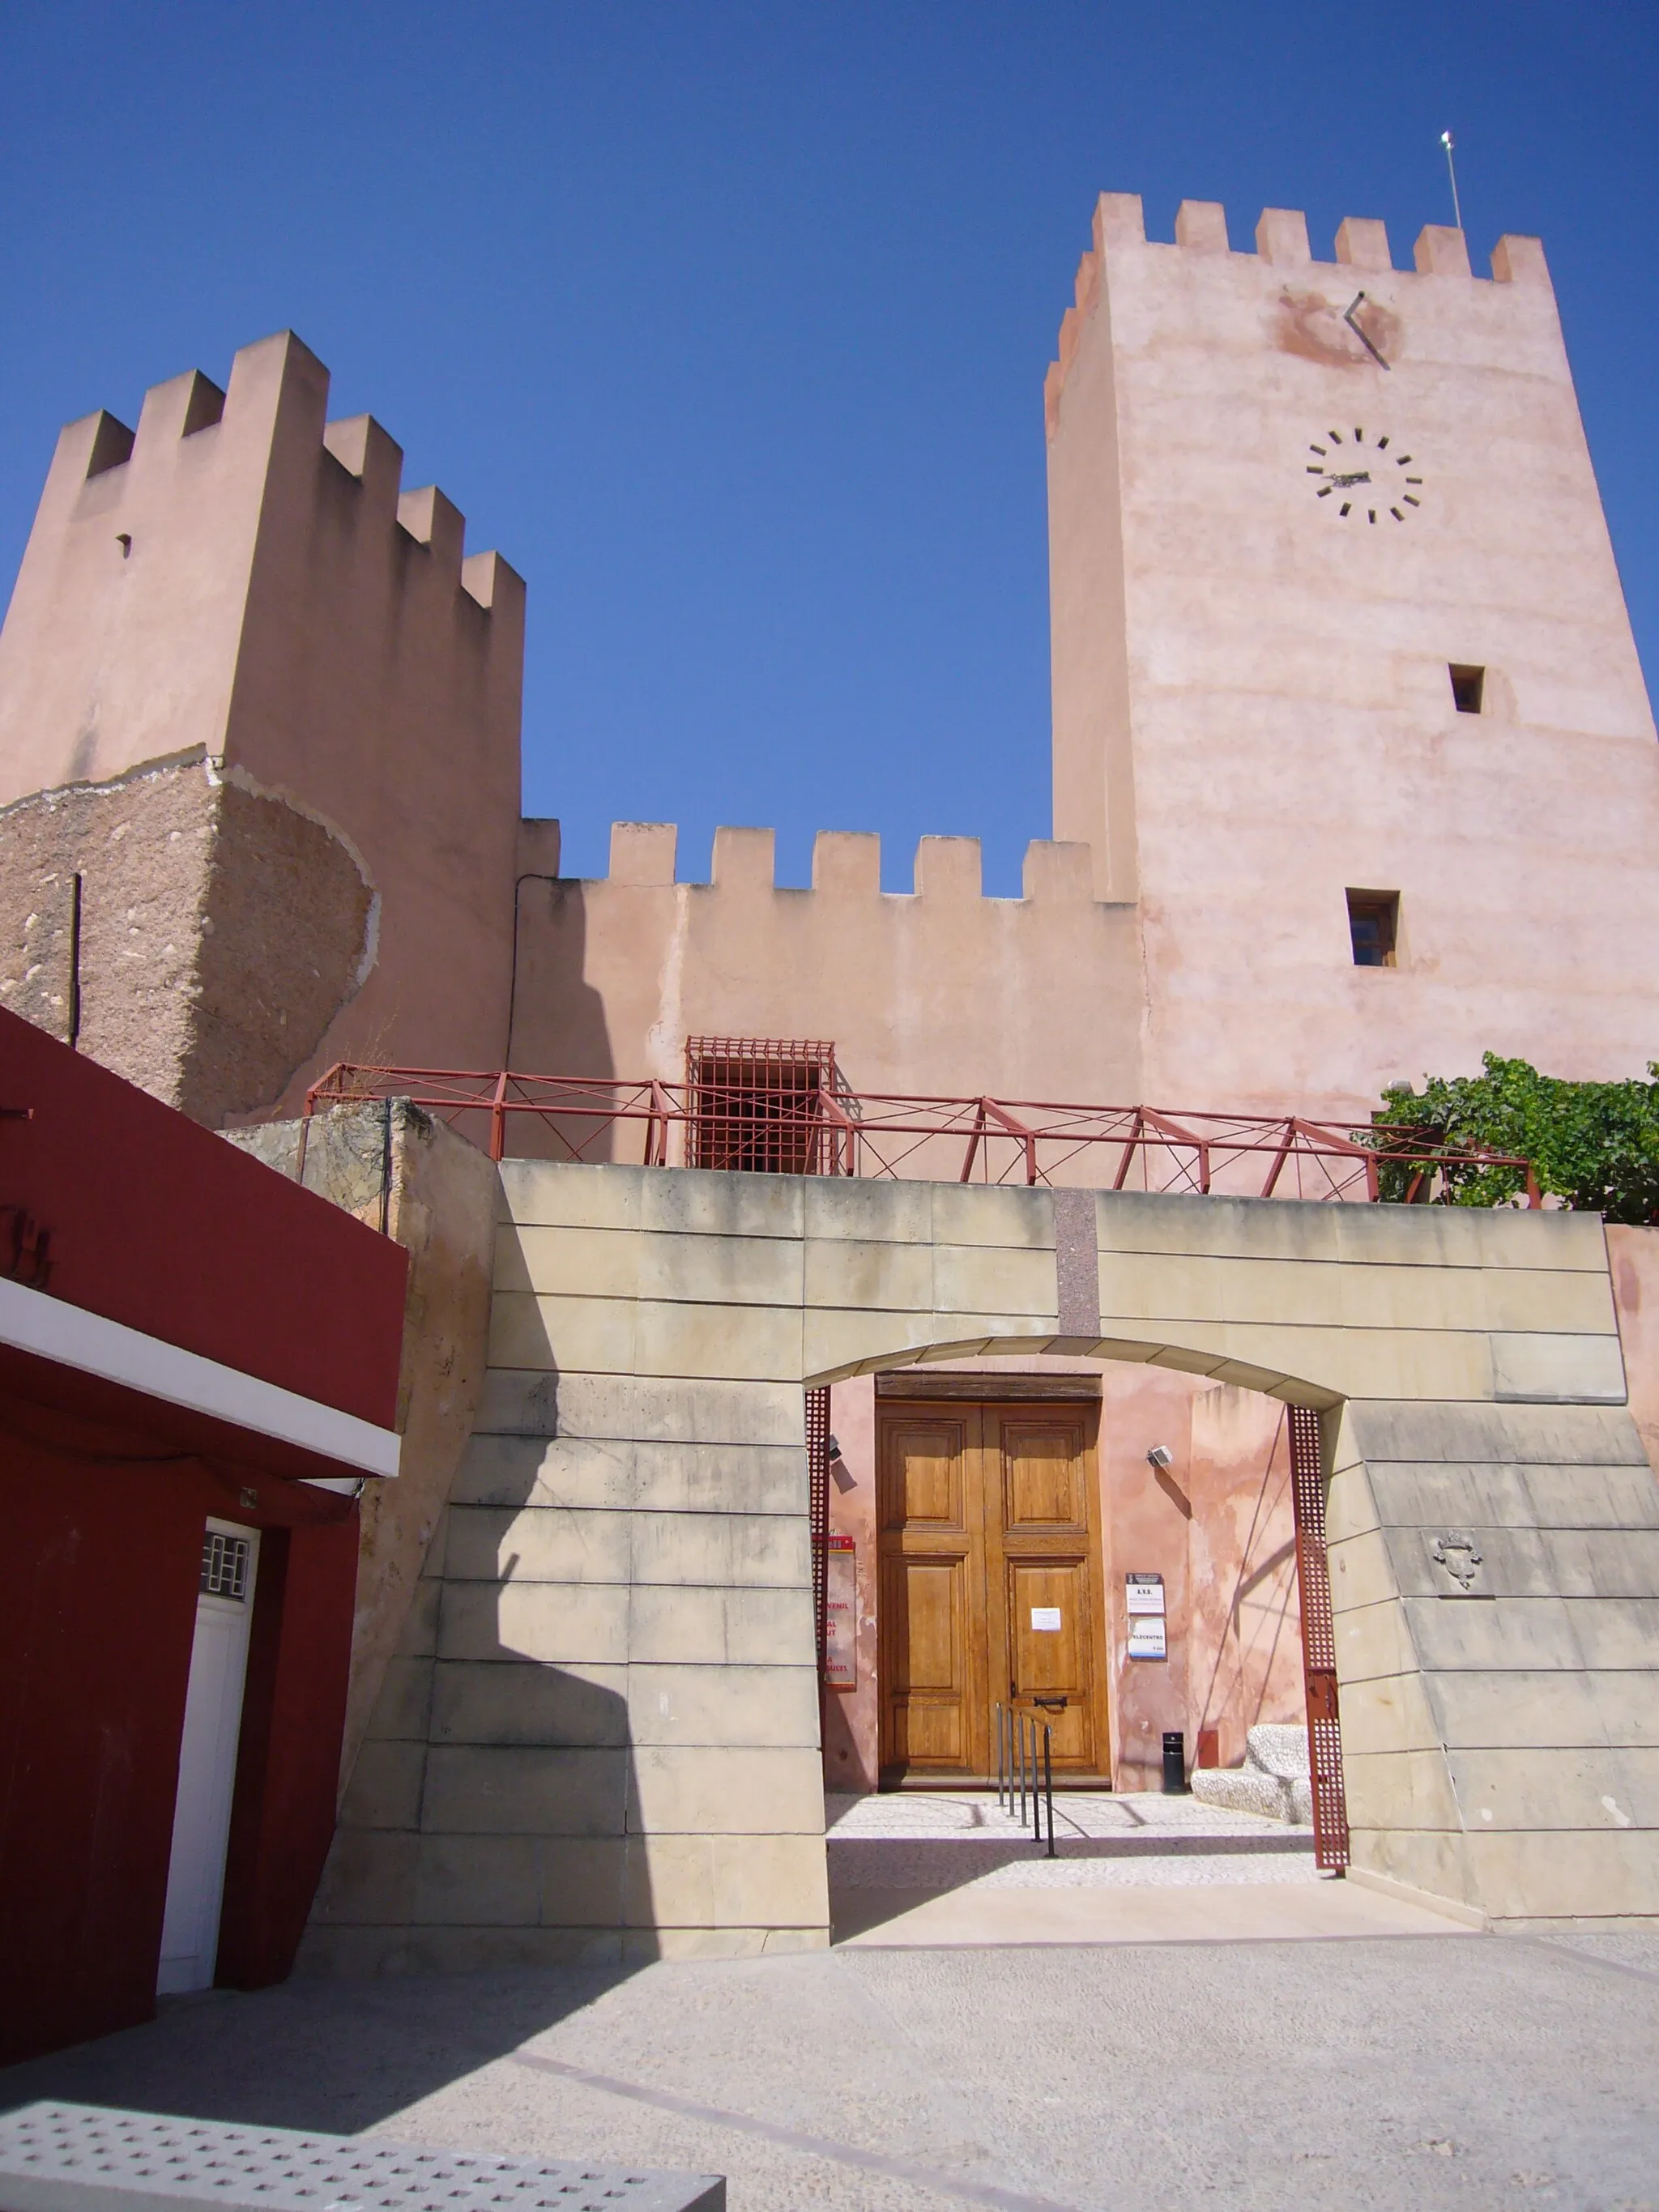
(1355, 775)
(1341, 665)
(258, 749)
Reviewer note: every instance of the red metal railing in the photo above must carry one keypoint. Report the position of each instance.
(822, 1131)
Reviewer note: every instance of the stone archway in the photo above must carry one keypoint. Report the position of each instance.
(601, 1738)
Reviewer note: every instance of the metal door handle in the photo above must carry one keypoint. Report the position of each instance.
(1050, 1704)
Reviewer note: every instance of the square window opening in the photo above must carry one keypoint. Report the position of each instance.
(1468, 687)
(1373, 928)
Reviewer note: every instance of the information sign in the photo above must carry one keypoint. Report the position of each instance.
(1146, 1637)
(841, 1637)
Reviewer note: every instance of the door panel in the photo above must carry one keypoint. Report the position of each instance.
(1043, 1469)
(929, 1695)
(1054, 1663)
(206, 1758)
(925, 1472)
(932, 1593)
(1045, 1557)
(987, 1513)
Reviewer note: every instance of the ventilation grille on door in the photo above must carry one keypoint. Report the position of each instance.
(224, 1566)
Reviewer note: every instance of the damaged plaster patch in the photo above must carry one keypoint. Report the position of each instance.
(1310, 325)
(223, 927)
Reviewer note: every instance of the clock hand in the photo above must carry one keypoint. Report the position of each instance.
(1360, 476)
(1360, 335)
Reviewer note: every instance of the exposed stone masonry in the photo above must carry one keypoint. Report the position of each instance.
(222, 930)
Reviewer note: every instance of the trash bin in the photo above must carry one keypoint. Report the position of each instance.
(1174, 1763)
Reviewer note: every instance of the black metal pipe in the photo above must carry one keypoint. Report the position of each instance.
(74, 965)
(1049, 1782)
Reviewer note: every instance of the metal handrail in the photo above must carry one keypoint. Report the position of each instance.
(1018, 1770)
(895, 1134)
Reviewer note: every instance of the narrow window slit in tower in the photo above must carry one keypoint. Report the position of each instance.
(1468, 687)
(1373, 927)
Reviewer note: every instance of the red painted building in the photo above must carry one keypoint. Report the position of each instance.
(198, 1370)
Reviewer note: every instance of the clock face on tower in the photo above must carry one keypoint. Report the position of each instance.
(1363, 479)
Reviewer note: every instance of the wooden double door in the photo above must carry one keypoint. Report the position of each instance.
(990, 1584)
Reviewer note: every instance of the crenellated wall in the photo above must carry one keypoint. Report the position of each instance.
(938, 989)
(1253, 711)
(236, 610)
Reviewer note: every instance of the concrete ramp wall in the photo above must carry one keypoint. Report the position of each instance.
(599, 1738)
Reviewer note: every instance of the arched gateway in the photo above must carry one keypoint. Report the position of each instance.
(600, 1738)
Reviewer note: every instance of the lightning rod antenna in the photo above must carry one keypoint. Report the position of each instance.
(1448, 143)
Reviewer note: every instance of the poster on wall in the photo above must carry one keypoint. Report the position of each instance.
(841, 1637)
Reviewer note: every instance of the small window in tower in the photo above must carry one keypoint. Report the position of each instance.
(756, 1104)
(1468, 685)
(1373, 927)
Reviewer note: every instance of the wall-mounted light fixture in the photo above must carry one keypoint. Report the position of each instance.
(1160, 1456)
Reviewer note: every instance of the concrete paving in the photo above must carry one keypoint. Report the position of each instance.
(1445, 2070)
(958, 1868)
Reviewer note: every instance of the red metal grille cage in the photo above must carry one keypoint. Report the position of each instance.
(1330, 1804)
(758, 1103)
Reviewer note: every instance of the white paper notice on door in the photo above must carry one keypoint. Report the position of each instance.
(1045, 1620)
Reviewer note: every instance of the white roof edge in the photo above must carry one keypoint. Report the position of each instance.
(51, 1329)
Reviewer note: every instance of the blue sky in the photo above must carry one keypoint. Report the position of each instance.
(728, 324)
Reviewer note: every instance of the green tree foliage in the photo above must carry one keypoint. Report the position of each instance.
(1593, 1144)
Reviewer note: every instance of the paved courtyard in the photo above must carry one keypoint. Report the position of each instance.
(917, 2068)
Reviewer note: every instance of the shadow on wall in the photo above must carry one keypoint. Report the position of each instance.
(1246, 1623)
(557, 1024)
(485, 1826)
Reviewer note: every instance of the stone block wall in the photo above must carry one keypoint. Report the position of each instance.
(598, 1736)
(1495, 1572)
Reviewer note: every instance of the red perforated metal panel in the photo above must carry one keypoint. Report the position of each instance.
(1318, 1643)
(817, 1492)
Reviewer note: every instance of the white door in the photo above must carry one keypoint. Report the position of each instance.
(207, 1757)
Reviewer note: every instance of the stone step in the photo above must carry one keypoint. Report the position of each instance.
(1273, 1781)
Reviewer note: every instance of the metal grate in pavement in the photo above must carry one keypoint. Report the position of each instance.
(85, 2158)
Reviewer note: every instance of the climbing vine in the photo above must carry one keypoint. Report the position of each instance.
(1594, 1145)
